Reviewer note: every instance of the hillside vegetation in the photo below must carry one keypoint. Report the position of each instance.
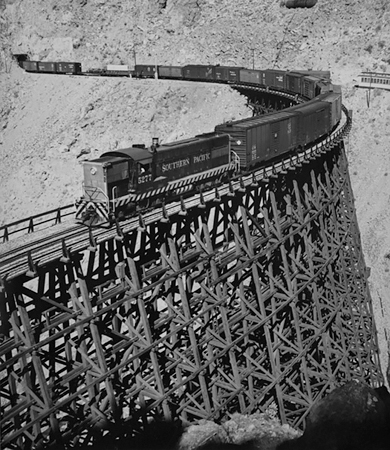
(49, 124)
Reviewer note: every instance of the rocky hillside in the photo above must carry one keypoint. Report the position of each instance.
(51, 123)
(47, 124)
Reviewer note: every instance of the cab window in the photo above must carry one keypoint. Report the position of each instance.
(144, 173)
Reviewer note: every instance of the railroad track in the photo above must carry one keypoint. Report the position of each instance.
(25, 255)
(20, 228)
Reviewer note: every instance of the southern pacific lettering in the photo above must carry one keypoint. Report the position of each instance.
(175, 165)
(202, 158)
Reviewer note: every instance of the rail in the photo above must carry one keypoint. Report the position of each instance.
(27, 256)
(54, 217)
(36, 222)
(58, 215)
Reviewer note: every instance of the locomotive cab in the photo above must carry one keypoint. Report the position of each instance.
(140, 170)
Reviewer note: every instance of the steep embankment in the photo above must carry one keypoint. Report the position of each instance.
(47, 124)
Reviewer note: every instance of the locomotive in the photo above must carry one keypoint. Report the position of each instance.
(118, 182)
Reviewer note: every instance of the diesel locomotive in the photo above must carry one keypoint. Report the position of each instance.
(118, 182)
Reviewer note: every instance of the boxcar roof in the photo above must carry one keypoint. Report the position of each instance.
(258, 120)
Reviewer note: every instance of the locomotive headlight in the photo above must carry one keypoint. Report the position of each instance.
(238, 142)
(93, 171)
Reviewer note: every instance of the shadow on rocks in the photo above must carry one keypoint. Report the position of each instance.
(352, 417)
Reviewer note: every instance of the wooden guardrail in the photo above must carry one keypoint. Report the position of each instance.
(36, 222)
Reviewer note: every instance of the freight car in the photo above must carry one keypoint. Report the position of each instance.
(119, 181)
(30, 66)
(68, 68)
(145, 71)
(252, 77)
(198, 72)
(227, 74)
(264, 138)
(174, 72)
(306, 83)
(116, 70)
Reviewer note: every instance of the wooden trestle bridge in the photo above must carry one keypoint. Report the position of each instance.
(253, 293)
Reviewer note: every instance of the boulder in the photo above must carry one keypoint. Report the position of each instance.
(352, 417)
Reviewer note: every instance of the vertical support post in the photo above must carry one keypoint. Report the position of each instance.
(226, 326)
(175, 263)
(149, 338)
(29, 340)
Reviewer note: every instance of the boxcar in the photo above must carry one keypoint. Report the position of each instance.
(249, 76)
(225, 73)
(294, 82)
(30, 66)
(314, 120)
(298, 3)
(47, 67)
(310, 87)
(68, 67)
(145, 70)
(170, 72)
(199, 72)
(323, 74)
(275, 79)
(324, 87)
(334, 100)
(262, 138)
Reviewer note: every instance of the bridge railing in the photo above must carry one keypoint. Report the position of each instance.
(36, 222)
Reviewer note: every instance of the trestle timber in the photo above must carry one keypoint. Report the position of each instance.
(228, 306)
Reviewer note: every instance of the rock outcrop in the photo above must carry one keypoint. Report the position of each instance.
(352, 417)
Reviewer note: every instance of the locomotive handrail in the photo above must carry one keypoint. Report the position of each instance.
(94, 192)
(235, 160)
(31, 224)
(114, 198)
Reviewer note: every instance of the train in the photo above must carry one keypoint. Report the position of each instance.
(120, 182)
(307, 84)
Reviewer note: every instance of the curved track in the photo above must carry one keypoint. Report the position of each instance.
(24, 255)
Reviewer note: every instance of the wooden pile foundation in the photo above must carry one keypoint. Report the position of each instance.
(254, 298)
